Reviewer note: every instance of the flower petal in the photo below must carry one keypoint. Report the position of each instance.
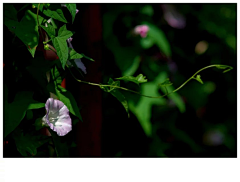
(57, 117)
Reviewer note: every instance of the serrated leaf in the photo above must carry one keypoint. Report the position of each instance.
(138, 79)
(198, 78)
(64, 33)
(28, 143)
(72, 8)
(50, 30)
(165, 83)
(57, 15)
(74, 55)
(116, 93)
(15, 111)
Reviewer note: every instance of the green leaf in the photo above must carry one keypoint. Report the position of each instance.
(28, 143)
(158, 37)
(60, 145)
(142, 110)
(87, 57)
(67, 98)
(64, 33)
(26, 30)
(50, 30)
(74, 54)
(147, 42)
(116, 93)
(46, 5)
(175, 97)
(72, 8)
(198, 78)
(10, 17)
(147, 10)
(57, 14)
(133, 68)
(62, 50)
(14, 112)
(138, 79)
(60, 44)
(165, 83)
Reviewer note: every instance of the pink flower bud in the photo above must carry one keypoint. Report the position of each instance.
(141, 30)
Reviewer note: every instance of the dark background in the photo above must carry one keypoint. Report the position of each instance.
(207, 127)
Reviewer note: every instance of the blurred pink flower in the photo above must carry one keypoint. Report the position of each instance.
(173, 18)
(141, 30)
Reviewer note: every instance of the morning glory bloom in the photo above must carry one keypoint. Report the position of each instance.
(57, 117)
(77, 61)
(142, 30)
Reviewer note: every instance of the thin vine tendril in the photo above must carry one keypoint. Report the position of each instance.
(122, 88)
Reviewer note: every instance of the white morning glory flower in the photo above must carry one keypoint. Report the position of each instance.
(57, 117)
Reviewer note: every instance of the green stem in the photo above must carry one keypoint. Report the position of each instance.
(122, 88)
(38, 22)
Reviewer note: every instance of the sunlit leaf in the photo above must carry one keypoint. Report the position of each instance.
(57, 14)
(60, 44)
(75, 55)
(64, 33)
(198, 78)
(26, 30)
(72, 8)
(50, 30)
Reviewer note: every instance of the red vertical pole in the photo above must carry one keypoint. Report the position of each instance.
(90, 97)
